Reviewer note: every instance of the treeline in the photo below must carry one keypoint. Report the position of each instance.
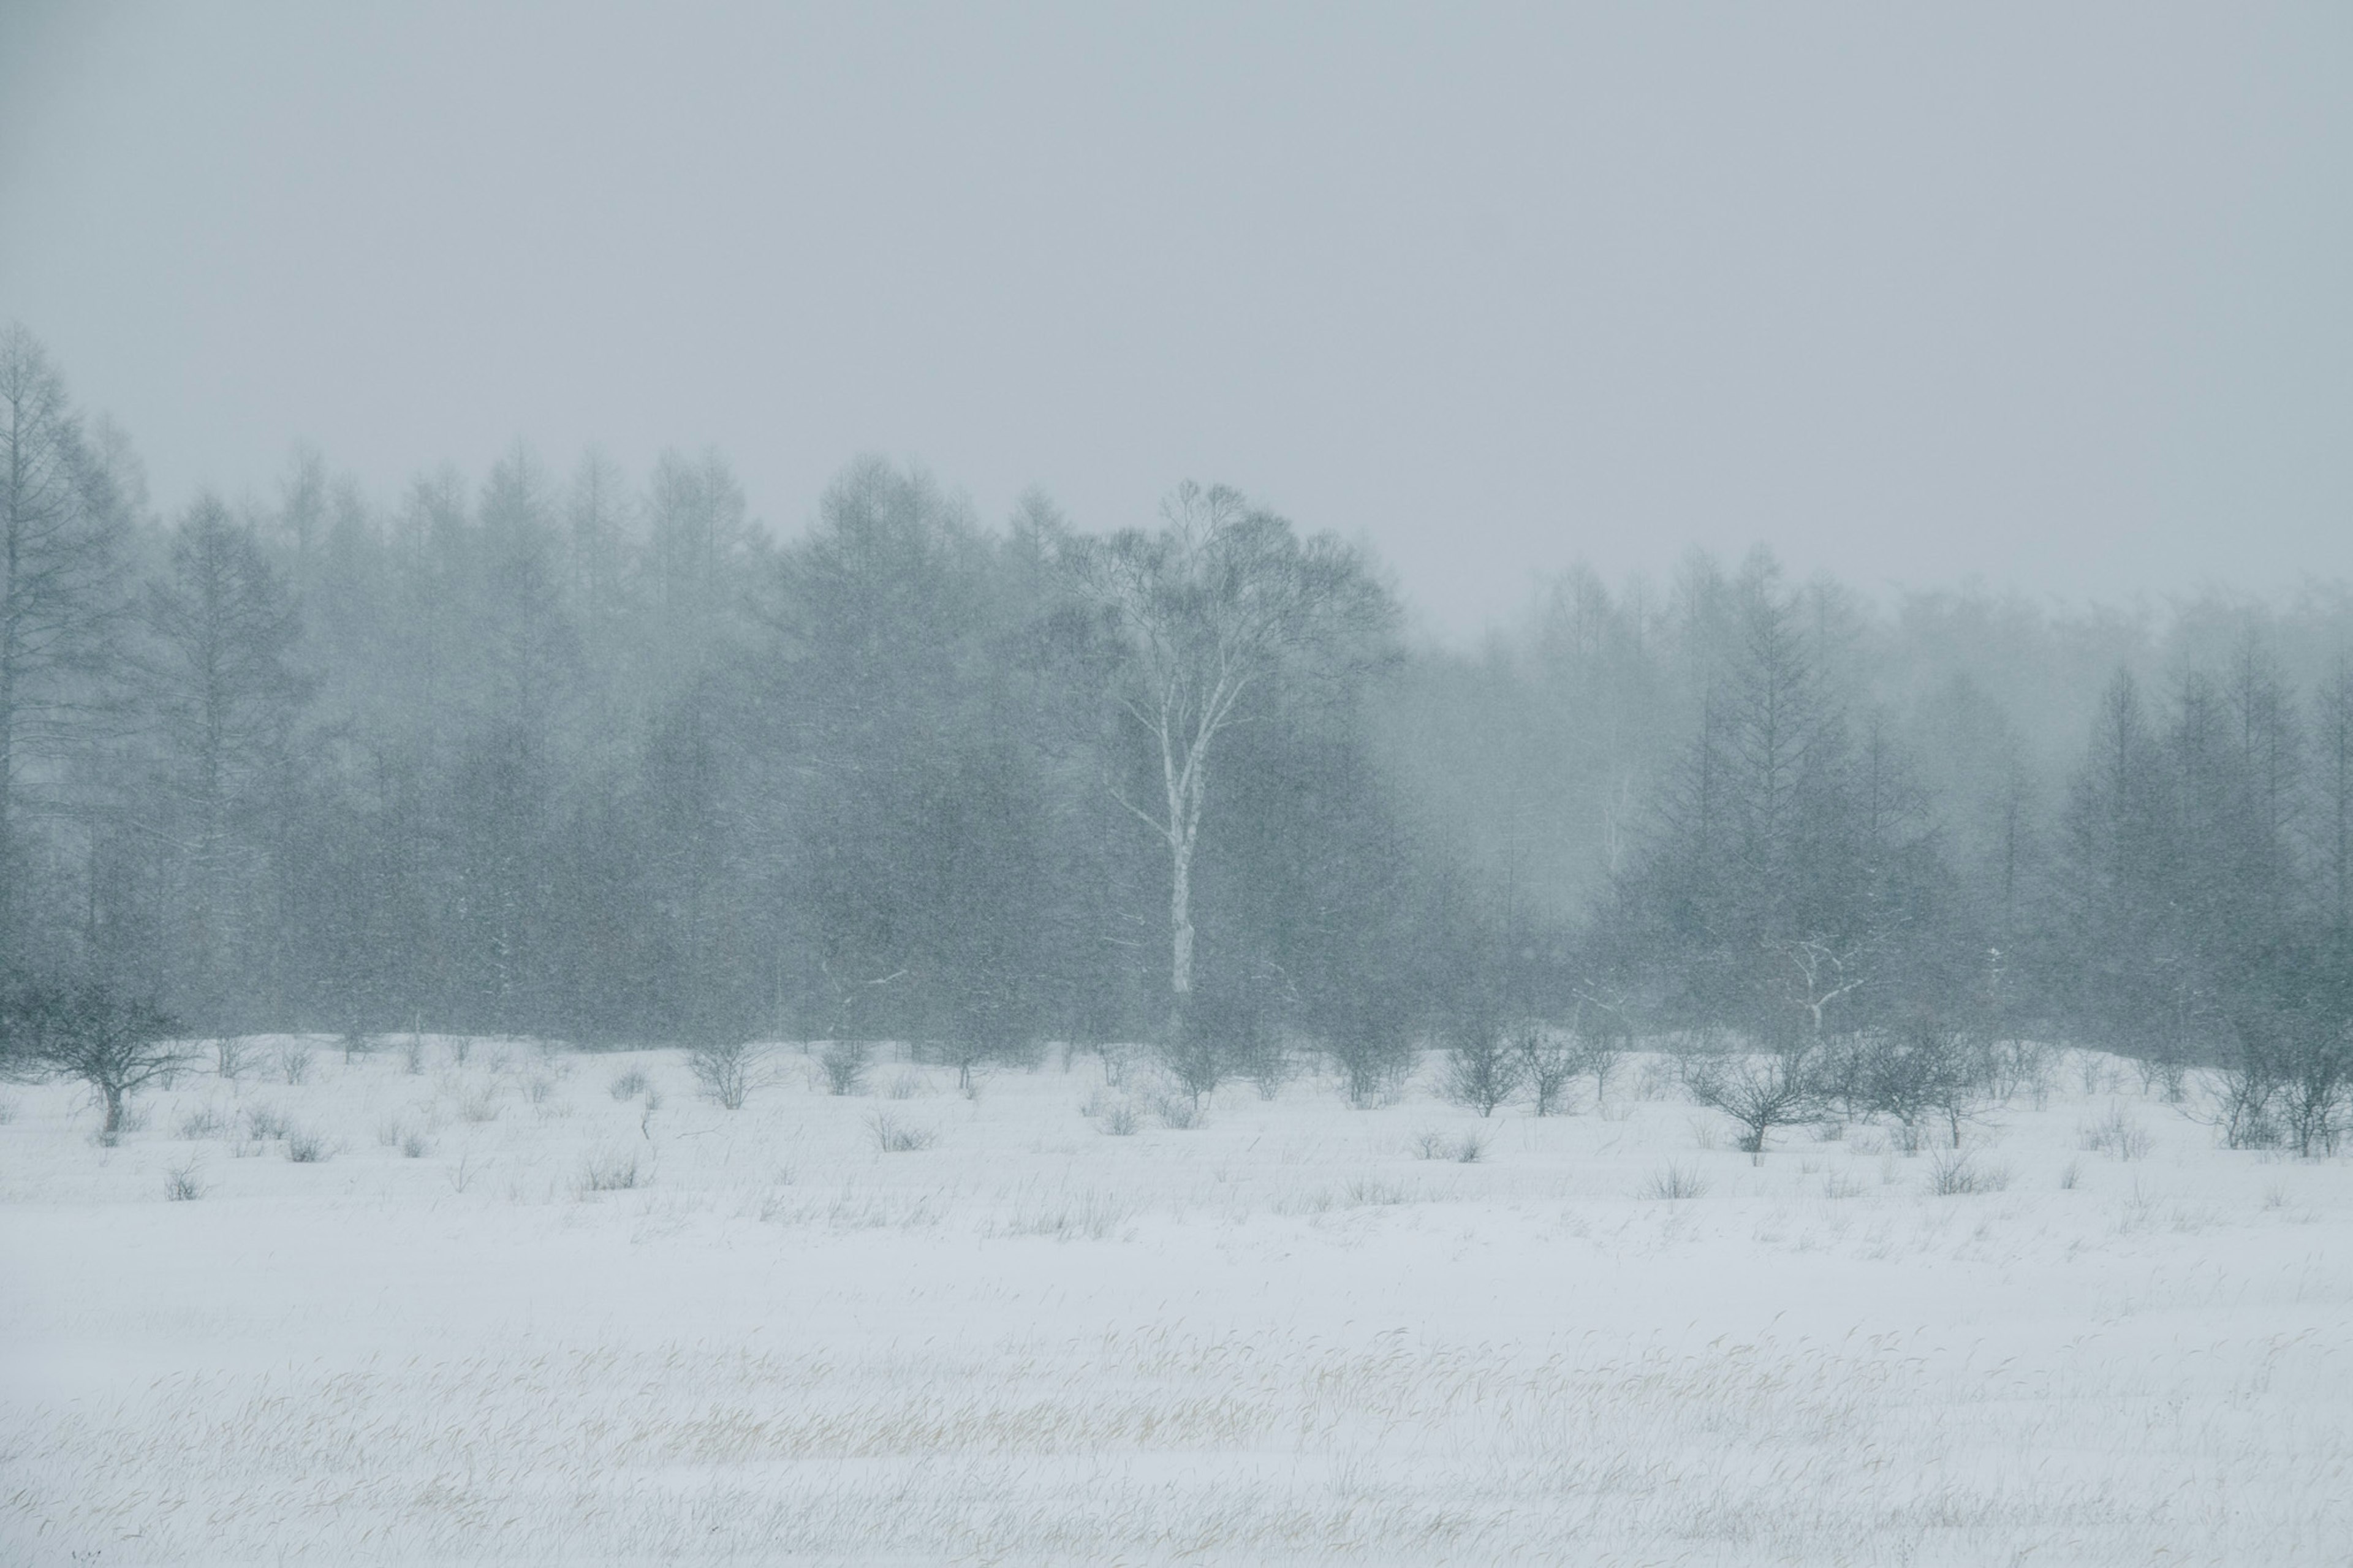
(581, 759)
(570, 756)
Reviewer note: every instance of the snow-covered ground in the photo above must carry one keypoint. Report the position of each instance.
(1287, 1334)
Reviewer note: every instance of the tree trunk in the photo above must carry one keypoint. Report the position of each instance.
(114, 1108)
(1180, 919)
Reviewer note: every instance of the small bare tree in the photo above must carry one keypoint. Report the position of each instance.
(91, 1033)
(1604, 1024)
(1482, 1070)
(728, 1070)
(1549, 1060)
(845, 1064)
(1759, 1091)
(1921, 1069)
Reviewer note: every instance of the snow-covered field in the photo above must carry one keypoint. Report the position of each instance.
(1288, 1334)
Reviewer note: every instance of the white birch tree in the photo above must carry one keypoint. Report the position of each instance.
(1208, 612)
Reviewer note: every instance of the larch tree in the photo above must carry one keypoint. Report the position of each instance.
(61, 598)
(223, 693)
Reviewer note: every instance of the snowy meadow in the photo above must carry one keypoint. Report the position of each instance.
(459, 1301)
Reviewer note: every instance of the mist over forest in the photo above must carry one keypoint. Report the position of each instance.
(558, 750)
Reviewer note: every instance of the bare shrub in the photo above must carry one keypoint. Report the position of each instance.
(2115, 1133)
(1467, 1149)
(1372, 1045)
(1549, 1061)
(462, 1050)
(1482, 1070)
(387, 1133)
(2018, 1067)
(1177, 1109)
(358, 1046)
(414, 1145)
(204, 1121)
(307, 1148)
(844, 1064)
(412, 1056)
(1919, 1069)
(1955, 1173)
(1197, 1050)
(1118, 1119)
(1675, 1182)
(479, 1106)
(538, 1087)
(183, 1184)
(727, 1070)
(1598, 1057)
(628, 1085)
(893, 1137)
(2162, 1072)
(264, 1123)
(608, 1173)
(293, 1062)
(905, 1086)
(2291, 1080)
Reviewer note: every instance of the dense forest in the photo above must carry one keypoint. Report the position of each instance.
(603, 758)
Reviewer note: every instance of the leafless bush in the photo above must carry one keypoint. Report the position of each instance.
(204, 1121)
(844, 1064)
(893, 1137)
(2115, 1133)
(462, 1050)
(1919, 1070)
(307, 1148)
(2291, 1080)
(1598, 1057)
(1118, 1119)
(1549, 1061)
(1482, 1070)
(1955, 1173)
(727, 1070)
(1177, 1109)
(264, 1123)
(293, 1062)
(358, 1045)
(181, 1184)
(387, 1133)
(412, 1056)
(628, 1085)
(538, 1087)
(1373, 1048)
(414, 1145)
(608, 1173)
(2018, 1067)
(1467, 1149)
(481, 1106)
(1675, 1182)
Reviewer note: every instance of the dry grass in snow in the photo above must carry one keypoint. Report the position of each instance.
(538, 1307)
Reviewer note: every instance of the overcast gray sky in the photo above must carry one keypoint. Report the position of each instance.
(2060, 296)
